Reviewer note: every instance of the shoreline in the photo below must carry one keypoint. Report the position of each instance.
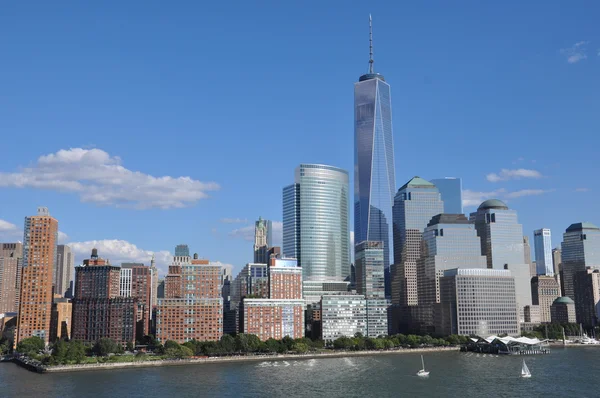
(252, 358)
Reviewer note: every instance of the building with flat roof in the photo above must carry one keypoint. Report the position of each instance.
(11, 264)
(63, 274)
(62, 313)
(544, 290)
(580, 249)
(543, 252)
(563, 310)
(285, 279)
(477, 301)
(587, 297)
(272, 318)
(343, 315)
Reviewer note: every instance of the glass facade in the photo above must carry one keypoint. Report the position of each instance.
(369, 265)
(542, 240)
(580, 249)
(451, 191)
(374, 173)
(316, 222)
(415, 204)
(342, 316)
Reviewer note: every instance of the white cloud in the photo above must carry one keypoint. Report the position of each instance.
(513, 174)
(576, 52)
(101, 179)
(582, 190)
(62, 238)
(246, 233)
(234, 220)
(475, 198)
(120, 251)
(277, 233)
(9, 231)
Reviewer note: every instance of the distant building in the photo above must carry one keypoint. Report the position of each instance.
(502, 243)
(138, 280)
(563, 310)
(451, 192)
(65, 261)
(312, 291)
(316, 222)
(62, 313)
(99, 310)
(370, 266)
(527, 252)
(580, 249)
(478, 302)
(544, 290)
(261, 245)
(273, 318)
(557, 260)
(343, 315)
(194, 309)
(587, 297)
(11, 264)
(532, 314)
(285, 279)
(39, 254)
(543, 252)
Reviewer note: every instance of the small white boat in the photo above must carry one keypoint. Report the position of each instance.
(525, 371)
(423, 372)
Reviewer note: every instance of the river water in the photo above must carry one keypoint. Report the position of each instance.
(566, 372)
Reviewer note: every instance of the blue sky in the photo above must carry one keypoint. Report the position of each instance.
(148, 124)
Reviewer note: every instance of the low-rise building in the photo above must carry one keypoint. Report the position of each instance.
(343, 315)
(563, 310)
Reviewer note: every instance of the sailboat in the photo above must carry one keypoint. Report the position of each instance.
(423, 372)
(525, 371)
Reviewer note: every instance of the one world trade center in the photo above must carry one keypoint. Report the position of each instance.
(374, 177)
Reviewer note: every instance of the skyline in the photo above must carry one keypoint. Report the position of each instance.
(134, 120)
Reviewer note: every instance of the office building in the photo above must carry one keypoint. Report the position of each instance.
(252, 281)
(273, 318)
(60, 323)
(528, 261)
(39, 255)
(563, 310)
(182, 254)
(312, 291)
(557, 262)
(377, 317)
(370, 265)
(543, 252)
(99, 310)
(63, 274)
(532, 315)
(477, 302)
(342, 315)
(451, 192)
(285, 279)
(415, 204)
(580, 249)
(374, 167)
(502, 243)
(137, 282)
(194, 309)
(11, 264)
(261, 245)
(587, 297)
(544, 290)
(316, 222)
(449, 241)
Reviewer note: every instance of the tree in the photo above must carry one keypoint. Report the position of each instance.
(271, 345)
(300, 348)
(343, 343)
(241, 342)
(31, 345)
(59, 351)
(4, 346)
(288, 342)
(106, 346)
(75, 351)
(227, 344)
(253, 343)
(130, 346)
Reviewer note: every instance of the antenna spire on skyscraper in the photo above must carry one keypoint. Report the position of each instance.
(370, 44)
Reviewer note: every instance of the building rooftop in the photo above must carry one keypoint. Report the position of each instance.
(493, 204)
(448, 219)
(417, 182)
(581, 226)
(563, 300)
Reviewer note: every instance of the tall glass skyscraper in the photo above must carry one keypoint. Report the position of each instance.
(542, 240)
(415, 204)
(451, 190)
(580, 249)
(374, 177)
(316, 222)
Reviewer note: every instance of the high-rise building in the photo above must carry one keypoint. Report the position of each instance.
(543, 252)
(370, 267)
(63, 276)
(527, 252)
(155, 281)
(580, 249)
(315, 222)
(194, 309)
(99, 310)
(261, 245)
(374, 168)
(557, 262)
(587, 297)
(62, 312)
(11, 264)
(544, 290)
(285, 279)
(563, 310)
(415, 204)
(138, 282)
(342, 315)
(502, 243)
(477, 301)
(39, 255)
(449, 242)
(451, 192)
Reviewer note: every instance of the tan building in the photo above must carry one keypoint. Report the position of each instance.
(11, 262)
(193, 307)
(62, 311)
(8, 326)
(39, 254)
(587, 297)
(563, 310)
(272, 318)
(544, 290)
(63, 274)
